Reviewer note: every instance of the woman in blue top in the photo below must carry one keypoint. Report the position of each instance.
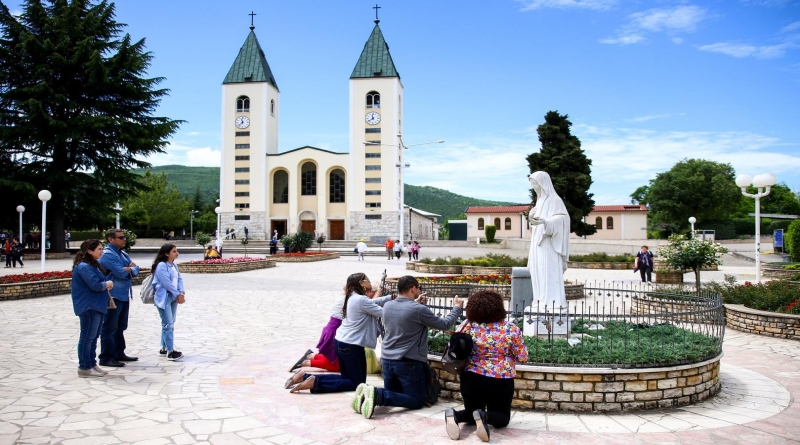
(90, 286)
(169, 293)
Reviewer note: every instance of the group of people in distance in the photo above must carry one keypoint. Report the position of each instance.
(487, 381)
(13, 251)
(211, 253)
(102, 276)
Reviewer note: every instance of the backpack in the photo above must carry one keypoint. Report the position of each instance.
(432, 386)
(147, 292)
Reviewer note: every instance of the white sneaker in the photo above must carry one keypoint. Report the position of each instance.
(100, 370)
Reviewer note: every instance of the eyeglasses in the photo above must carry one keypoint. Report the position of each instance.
(120, 237)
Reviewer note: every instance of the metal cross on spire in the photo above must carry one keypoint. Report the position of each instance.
(376, 8)
(252, 16)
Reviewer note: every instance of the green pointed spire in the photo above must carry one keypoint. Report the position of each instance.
(375, 60)
(250, 65)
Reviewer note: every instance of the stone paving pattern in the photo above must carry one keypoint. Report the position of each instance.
(241, 332)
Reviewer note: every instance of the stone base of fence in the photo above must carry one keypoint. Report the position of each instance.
(777, 272)
(663, 277)
(225, 267)
(48, 288)
(770, 324)
(602, 389)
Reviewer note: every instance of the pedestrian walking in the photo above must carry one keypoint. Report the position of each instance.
(389, 248)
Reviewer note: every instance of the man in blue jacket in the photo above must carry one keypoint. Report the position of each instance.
(122, 269)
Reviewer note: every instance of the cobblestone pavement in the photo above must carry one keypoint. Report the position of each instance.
(241, 332)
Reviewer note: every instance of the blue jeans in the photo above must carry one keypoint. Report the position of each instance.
(112, 341)
(168, 315)
(91, 321)
(403, 384)
(352, 366)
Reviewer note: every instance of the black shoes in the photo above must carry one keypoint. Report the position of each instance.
(112, 363)
(162, 351)
(299, 363)
(174, 355)
(480, 421)
(126, 358)
(450, 424)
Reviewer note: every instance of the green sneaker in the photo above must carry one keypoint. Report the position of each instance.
(359, 398)
(368, 407)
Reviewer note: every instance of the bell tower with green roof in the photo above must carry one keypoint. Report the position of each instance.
(376, 117)
(250, 112)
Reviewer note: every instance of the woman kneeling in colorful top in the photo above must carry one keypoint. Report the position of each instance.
(487, 382)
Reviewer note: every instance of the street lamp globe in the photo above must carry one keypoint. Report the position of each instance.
(744, 180)
(45, 195)
(764, 180)
(20, 209)
(218, 210)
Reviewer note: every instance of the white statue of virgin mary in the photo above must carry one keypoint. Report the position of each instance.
(549, 251)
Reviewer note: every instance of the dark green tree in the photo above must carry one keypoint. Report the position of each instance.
(76, 113)
(693, 187)
(159, 206)
(641, 195)
(563, 159)
(781, 200)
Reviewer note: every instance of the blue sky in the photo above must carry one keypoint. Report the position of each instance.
(645, 83)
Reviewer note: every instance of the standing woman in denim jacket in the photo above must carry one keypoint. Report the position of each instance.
(90, 286)
(169, 293)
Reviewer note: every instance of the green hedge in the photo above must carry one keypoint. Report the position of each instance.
(722, 229)
(84, 235)
(792, 239)
(773, 296)
(490, 231)
(602, 258)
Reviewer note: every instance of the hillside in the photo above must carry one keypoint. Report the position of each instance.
(430, 199)
(445, 203)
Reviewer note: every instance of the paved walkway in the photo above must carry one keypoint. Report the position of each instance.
(241, 332)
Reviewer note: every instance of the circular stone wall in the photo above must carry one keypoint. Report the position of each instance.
(602, 389)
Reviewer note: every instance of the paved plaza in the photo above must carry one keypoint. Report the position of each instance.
(241, 332)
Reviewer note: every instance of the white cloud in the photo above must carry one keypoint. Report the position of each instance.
(622, 160)
(768, 3)
(185, 155)
(791, 27)
(741, 50)
(647, 118)
(600, 5)
(684, 18)
(677, 40)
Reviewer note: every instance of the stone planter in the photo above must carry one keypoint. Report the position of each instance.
(770, 324)
(48, 288)
(225, 267)
(668, 277)
(574, 291)
(611, 266)
(31, 256)
(480, 270)
(432, 268)
(602, 389)
(305, 258)
(410, 265)
(777, 272)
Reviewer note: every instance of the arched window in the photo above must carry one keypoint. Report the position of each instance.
(242, 104)
(497, 223)
(508, 223)
(480, 223)
(272, 107)
(308, 179)
(337, 186)
(280, 187)
(598, 222)
(373, 99)
(609, 223)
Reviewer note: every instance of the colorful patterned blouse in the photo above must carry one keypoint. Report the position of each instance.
(496, 347)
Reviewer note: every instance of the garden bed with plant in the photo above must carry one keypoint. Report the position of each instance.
(502, 264)
(304, 257)
(35, 285)
(448, 286)
(225, 265)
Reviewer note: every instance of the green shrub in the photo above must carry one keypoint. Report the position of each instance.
(779, 225)
(84, 235)
(722, 229)
(301, 241)
(490, 231)
(744, 226)
(793, 242)
(490, 260)
(602, 257)
(202, 238)
(774, 296)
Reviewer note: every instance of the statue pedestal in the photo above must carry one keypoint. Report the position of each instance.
(557, 325)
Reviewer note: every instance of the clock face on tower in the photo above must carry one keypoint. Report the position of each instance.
(242, 122)
(373, 118)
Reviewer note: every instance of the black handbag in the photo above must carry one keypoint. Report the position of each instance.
(457, 352)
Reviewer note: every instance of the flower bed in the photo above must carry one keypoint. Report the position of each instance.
(303, 257)
(468, 279)
(35, 285)
(780, 296)
(225, 265)
(31, 277)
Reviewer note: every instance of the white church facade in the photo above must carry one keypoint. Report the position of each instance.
(342, 195)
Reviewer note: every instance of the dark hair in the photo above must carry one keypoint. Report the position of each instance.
(353, 285)
(485, 306)
(83, 255)
(646, 247)
(161, 257)
(405, 283)
(112, 233)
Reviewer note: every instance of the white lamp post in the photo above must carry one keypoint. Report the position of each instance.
(401, 166)
(763, 183)
(219, 239)
(191, 223)
(20, 209)
(44, 196)
(117, 209)
(692, 220)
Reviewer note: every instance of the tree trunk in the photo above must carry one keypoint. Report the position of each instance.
(56, 226)
(697, 279)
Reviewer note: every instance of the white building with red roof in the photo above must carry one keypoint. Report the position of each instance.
(613, 222)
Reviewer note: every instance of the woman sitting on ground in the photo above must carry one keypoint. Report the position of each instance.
(358, 331)
(487, 382)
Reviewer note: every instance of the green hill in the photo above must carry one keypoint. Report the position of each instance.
(430, 199)
(445, 203)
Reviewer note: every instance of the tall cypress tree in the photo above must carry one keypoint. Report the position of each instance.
(563, 159)
(76, 113)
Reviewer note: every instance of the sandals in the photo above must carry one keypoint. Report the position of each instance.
(305, 384)
(295, 379)
(299, 363)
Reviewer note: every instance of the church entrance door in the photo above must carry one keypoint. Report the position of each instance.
(336, 230)
(308, 226)
(280, 226)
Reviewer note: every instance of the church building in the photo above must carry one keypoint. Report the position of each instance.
(341, 195)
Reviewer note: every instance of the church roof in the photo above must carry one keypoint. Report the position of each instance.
(250, 65)
(621, 208)
(307, 147)
(375, 60)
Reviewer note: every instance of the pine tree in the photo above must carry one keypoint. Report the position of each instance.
(563, 159)
(75, 111)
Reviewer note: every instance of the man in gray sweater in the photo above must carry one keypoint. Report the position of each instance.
(404, 350)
